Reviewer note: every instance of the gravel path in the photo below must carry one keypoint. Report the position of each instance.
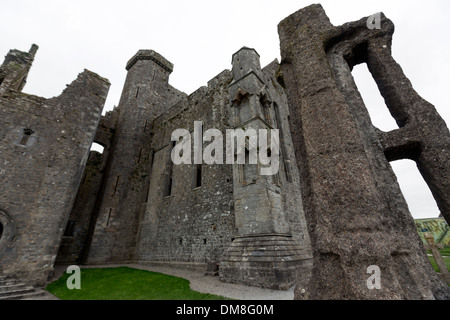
(202, 283)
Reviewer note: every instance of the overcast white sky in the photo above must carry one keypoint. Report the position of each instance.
(199, 37)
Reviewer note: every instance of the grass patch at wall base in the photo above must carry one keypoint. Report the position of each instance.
(126, 283)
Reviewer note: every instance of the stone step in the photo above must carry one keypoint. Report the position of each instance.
(24, 296)
(7, 282)
(9, 286)
(13, 289)
(16, 291)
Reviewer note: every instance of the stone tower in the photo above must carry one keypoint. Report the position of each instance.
(146, 94)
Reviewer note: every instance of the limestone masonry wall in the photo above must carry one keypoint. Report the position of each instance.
(331, 209)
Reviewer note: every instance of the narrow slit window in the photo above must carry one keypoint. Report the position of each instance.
(197, 175)
(70, 229)
(109, 217)
(169, 181)
(26, 136)
(116, 184)
(287, 167)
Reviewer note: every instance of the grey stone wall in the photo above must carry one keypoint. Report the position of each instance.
(194, 224)
(44, 145)
(334, 193)
(77, 228)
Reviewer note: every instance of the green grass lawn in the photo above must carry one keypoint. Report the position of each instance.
(125, 283)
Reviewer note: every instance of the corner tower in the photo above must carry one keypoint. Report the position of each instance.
(146, 95)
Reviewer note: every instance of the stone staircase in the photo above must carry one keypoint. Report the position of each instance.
(13, 289)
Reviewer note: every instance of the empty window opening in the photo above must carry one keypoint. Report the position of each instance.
(204, 241)
(1, 230)
(1, 80)
(26, 136)
(97, 147)
(70, 229)
(197, 175)
(180, 242)
(418, 196)
(373, 100)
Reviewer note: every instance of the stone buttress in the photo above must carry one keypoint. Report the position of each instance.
(263, 253)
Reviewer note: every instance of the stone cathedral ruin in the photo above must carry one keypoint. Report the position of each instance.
(332, 210)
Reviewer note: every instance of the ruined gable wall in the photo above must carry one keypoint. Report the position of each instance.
(41, 169)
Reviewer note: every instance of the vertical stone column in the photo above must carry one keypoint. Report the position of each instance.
(356, 215)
